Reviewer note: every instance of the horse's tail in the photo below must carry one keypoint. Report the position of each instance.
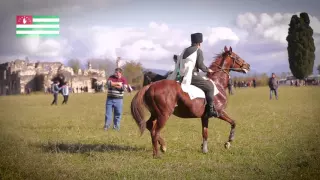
(137, 110)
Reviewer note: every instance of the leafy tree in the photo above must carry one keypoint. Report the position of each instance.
(74, 64)
(103, 64)
(301, 48)
(283, 75)
(318, 68)
(263, 79)
(133, 73)
(100, 64)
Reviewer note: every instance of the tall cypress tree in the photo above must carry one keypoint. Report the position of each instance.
(301, 48)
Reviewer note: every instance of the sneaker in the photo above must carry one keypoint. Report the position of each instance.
(116, 128)
(105, 128)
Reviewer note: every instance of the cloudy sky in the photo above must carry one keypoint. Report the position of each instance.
(152, 31)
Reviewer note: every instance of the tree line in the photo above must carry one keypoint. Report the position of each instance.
(133, 71)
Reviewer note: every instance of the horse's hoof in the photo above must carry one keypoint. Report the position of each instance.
(163, 149)
(227, 145)
(205, 151)
(156, 157)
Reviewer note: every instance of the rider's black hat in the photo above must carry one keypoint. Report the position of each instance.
(196, 38)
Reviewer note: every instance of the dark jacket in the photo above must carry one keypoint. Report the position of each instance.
(55, 88)
(230, 82)
(273, 83)
(199, 63)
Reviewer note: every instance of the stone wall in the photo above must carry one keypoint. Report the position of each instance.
(18, 76)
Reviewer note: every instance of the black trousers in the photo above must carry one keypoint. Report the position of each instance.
(205, 85)
(65, 99)
(55, 99)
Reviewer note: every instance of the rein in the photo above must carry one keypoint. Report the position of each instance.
(226, 70)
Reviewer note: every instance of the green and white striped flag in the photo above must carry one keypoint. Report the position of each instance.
(47, 26)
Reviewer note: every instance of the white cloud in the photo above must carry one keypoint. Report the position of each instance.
(221, 33)
(155, 43)
(272, 27)
(35, 46)
(30, 44)
(256, 38)
(159, 27)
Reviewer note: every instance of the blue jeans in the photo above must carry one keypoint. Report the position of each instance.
(115, 105)
(275, 91)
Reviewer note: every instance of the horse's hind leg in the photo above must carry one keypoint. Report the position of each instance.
(225, 117)
(154, 126)
(162, 143)
(151, 126)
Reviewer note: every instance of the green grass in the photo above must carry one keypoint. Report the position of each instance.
(273, 140)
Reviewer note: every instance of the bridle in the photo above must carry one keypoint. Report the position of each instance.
(235, 60)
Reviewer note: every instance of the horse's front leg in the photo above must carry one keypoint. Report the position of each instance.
(205, 122)
(225, 117)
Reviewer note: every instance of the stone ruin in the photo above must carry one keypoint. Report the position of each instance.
(19, 77)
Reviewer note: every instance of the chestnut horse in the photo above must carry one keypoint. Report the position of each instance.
(165, 97)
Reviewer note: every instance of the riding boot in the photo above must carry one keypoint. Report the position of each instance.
(211, 110)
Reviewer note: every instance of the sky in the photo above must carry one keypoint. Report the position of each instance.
(152, 31)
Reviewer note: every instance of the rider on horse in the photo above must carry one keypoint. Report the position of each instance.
(195, 54)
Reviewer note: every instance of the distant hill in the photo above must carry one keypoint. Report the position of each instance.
(158, 71)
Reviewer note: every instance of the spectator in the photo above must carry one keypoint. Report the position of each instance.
(230, 84)
(254, 83)
(65, 93)
(116, 85)
(55, 90)
(273, 84)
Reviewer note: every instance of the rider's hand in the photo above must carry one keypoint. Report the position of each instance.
(210, 71)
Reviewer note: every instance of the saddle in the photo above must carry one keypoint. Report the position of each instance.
(195, 92)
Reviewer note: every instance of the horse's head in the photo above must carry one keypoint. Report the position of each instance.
(147, 78)
(230, 61)
(150, 77)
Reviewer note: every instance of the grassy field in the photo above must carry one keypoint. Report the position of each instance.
(273, 140)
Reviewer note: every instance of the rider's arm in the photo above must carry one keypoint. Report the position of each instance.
(200, 60)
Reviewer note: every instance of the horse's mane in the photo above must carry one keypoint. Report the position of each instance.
(217, 57)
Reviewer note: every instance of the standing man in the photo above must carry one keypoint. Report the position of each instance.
(254, 83)
(230, 84)
(116, 85)
(273, 85)
(55, 91)
(65, 93)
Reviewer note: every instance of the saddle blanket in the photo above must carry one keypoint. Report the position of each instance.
(195, 92)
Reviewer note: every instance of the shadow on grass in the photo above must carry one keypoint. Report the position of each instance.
(84, 148)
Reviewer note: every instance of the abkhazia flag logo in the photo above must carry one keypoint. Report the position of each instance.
(37, 26)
